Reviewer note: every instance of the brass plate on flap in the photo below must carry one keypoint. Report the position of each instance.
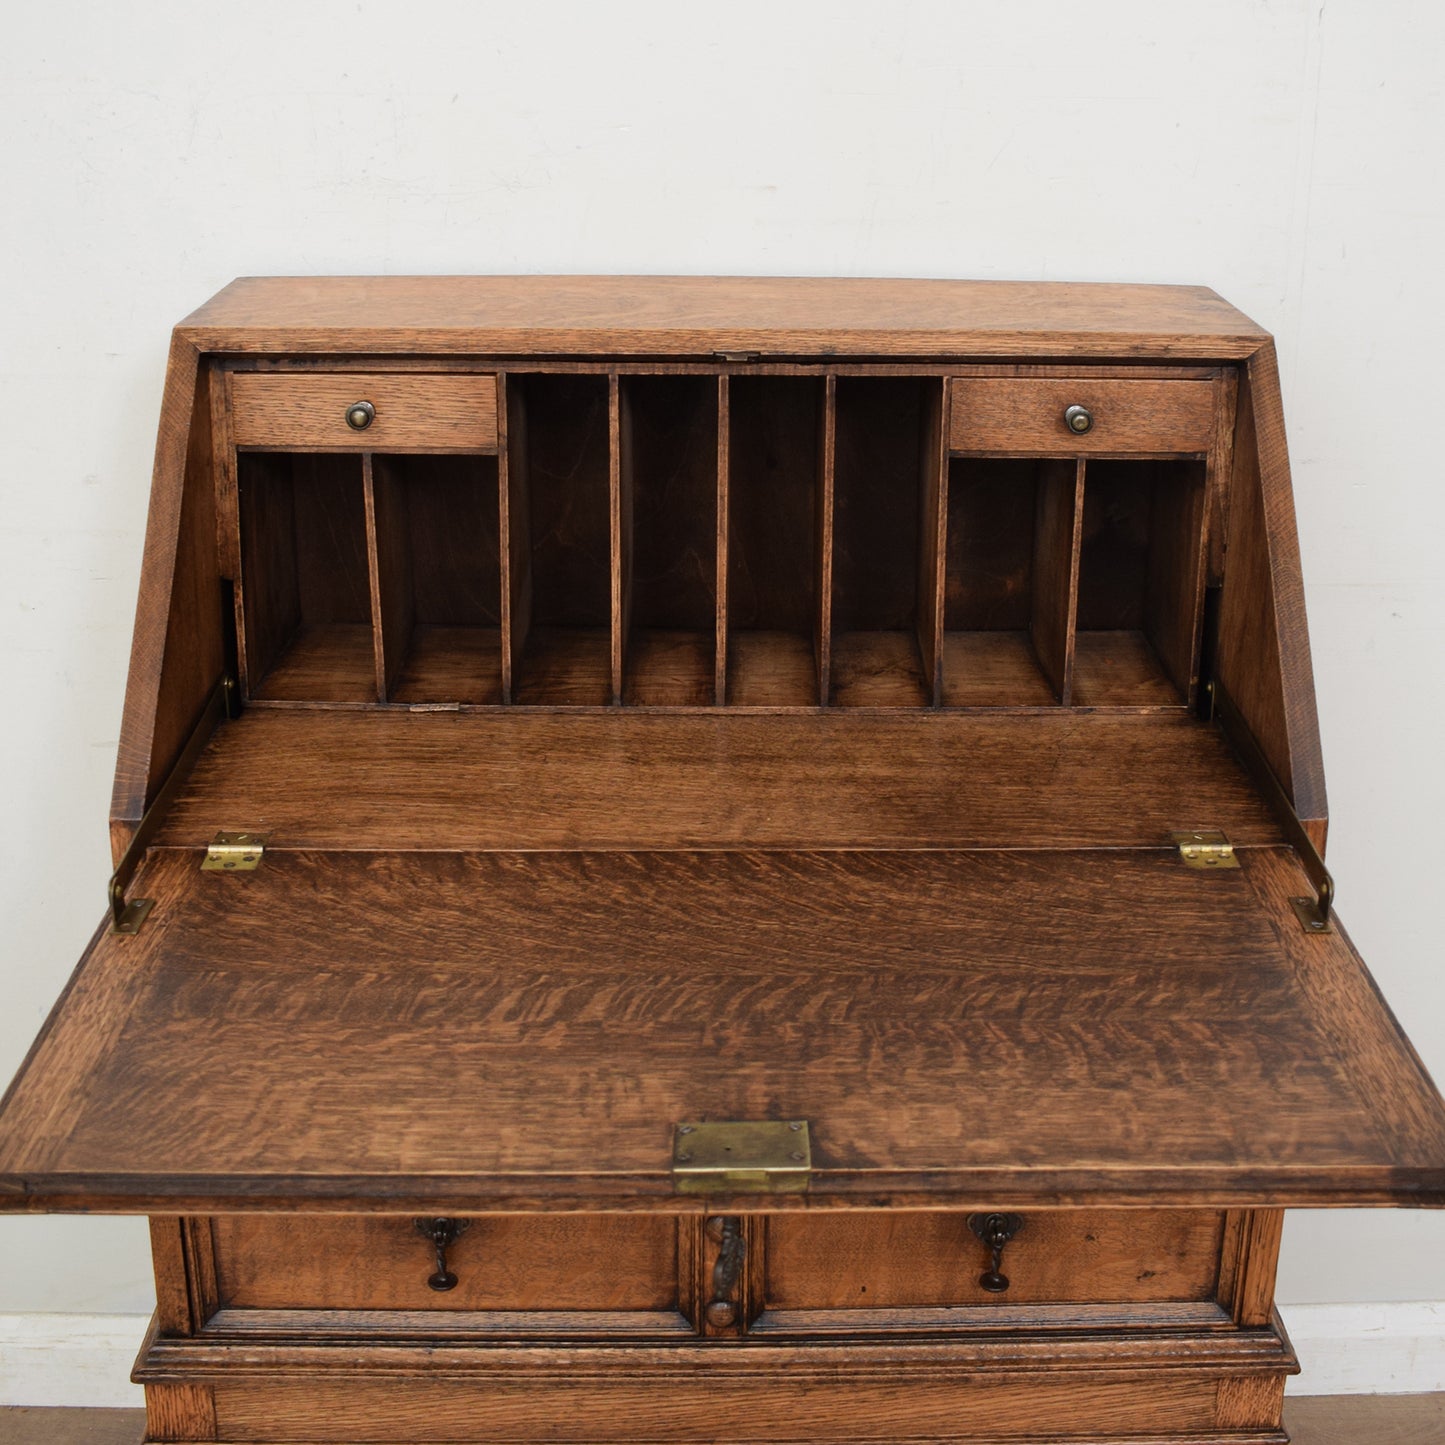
(234, 853)
(1205, 848)
(762, 1156)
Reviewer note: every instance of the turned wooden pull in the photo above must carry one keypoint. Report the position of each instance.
(995, 1230)
(726, 1231)
(442, 1233)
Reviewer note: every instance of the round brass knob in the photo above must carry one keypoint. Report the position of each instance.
(360, 415)
(1078, 419)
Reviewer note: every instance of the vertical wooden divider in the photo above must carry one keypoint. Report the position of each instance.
(823, 518)
(932, 547)
(619, 486)
(382, 639)
(386, 556)
(1057, 537)
(720, 650)
(516, 531)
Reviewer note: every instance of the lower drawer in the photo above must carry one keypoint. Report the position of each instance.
(499, 1262)
(900, 1260)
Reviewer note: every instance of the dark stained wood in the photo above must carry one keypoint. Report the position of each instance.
(701, 315)
(177, 651)
(516, 533)
(995, 669)
(389, 558)
(1120, 669)
(773, 497)
(1174, 583)
(878, 669)
(932, 539)
(1058, 510)
(168, 1257)
(569, 513)
(879, 586)
(620, 506)
(437, 577)
(669, 470)
(825, 526)
(834, 780)
(1263, 656)
(307, 412)
(312, 1052)
(1025, 416)
(305, 577)
(863, 1260)
(724, 465)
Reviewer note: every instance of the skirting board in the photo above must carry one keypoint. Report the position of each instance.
(1378, 1349)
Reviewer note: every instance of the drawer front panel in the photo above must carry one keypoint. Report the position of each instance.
(901, 1260)
(281, 411)
(501, 1262)
(622, 1404)
(1025, 416)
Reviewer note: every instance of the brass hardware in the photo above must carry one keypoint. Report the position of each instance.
(360, 415)
(726, 1231)
(234, 853)
(1079, 419)
(1206, 848)
(736, 355)
(764, 1156)
(443, 1233)
(995, 1230)
(1313, 913)
(127, 915)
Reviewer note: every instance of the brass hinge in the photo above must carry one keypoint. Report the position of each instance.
(764, 1156)
(737, 355)
(1205, 848)
(234, 853)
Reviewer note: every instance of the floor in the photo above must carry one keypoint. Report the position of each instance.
(1318, 1420)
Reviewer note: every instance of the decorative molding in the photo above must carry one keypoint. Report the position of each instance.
(1371, 1349)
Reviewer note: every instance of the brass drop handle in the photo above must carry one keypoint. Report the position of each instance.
(725, 1231)
(360, 415)
(1078, 419)
(995, 1230)
(442, 1233)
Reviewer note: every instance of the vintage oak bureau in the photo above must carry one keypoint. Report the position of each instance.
(719, 860)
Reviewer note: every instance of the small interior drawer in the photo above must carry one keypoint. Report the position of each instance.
(872, 1261)
(280, 410)
(589, 1262)
(1026, 416)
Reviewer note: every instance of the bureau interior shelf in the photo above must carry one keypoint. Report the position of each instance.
(741, 539)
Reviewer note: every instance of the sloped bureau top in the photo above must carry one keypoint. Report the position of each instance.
(690, 316)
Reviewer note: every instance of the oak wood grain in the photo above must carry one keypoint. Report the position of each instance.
(1025, 416)
(702, 315)
(1263, 657)
(359, 780)
(177, 650)
(259, 1046)
(306, 411)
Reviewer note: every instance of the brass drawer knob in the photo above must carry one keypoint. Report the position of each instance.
(1079, 419)
(360, 415)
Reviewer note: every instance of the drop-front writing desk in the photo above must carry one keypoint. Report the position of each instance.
(719, 859)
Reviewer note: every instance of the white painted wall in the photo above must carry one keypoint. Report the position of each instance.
(1284, 153)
